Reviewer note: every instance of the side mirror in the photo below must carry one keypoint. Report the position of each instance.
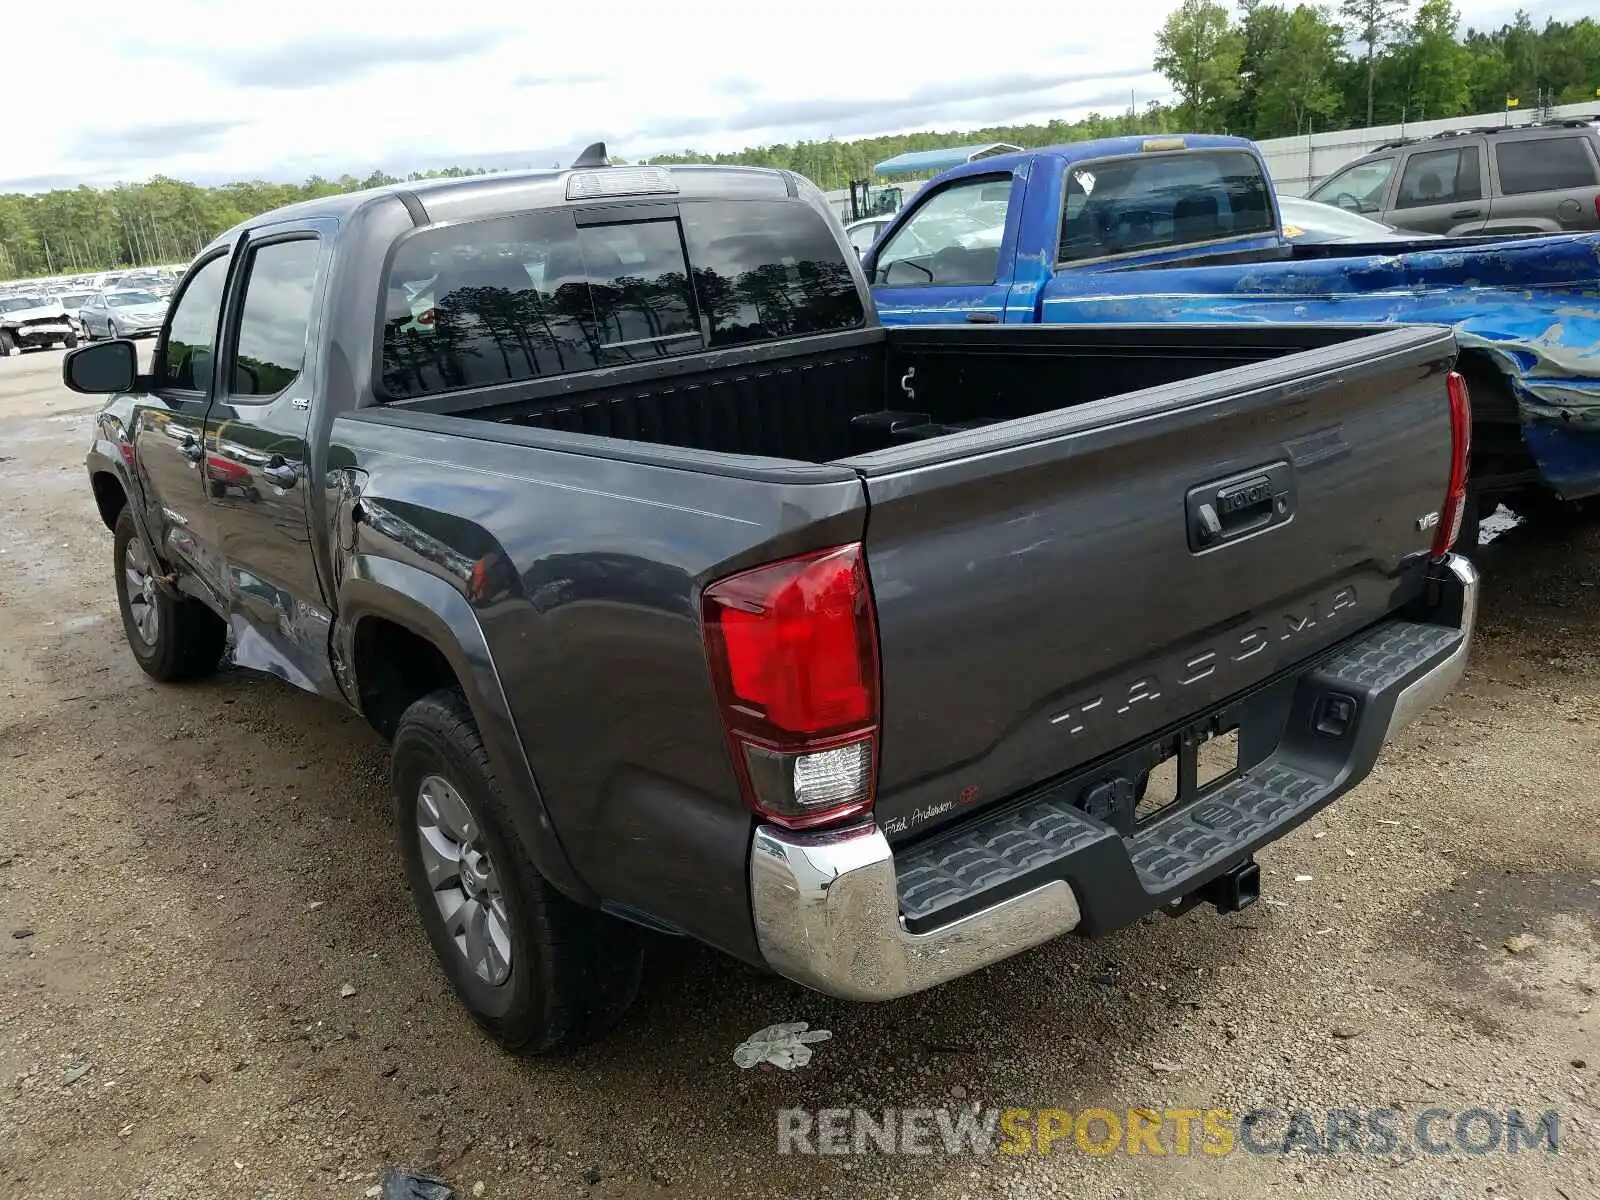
(101, 369)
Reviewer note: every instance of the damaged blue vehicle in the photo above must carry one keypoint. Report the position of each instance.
(1188, 229)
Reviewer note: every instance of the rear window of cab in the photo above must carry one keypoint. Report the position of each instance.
(530, 295)
(1155, 202)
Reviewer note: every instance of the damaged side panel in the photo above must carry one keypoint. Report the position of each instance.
(1531, 305)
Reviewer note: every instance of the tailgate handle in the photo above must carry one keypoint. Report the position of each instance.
(1226, 510)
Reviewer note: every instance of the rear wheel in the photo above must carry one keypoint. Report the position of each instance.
(8, 344)
(537, 971)
(70, 341)
(172, 637)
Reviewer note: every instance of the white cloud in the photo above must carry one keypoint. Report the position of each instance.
(208, 91)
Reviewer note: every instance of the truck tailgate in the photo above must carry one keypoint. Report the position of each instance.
(1054, 589)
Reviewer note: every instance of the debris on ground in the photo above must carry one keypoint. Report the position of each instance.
(783, 1045)
(401, 1184)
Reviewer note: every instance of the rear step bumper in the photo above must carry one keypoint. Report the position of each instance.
(840, 912)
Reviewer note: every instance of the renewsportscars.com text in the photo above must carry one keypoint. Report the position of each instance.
(975, 1130)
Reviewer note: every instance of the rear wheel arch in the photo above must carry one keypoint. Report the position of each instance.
(395, 666)
(391, 609)
(110, 497)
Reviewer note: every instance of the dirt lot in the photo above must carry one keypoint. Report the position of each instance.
(190, 875)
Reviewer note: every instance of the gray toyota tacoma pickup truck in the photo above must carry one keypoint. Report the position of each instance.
(692, 600)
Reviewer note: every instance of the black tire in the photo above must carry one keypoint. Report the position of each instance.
(8, 344)
(188, 639)
(573, 970)
(70, 341)
(111, 328)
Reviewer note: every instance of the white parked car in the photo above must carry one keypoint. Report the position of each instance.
(29, 320)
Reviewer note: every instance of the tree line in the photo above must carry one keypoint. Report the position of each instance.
(1262, 70)
(1270, 70)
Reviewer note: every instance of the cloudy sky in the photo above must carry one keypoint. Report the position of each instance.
(212, 90)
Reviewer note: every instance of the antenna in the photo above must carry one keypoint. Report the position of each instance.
(593, 155)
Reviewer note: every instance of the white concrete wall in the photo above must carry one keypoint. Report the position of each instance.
(1298, 163)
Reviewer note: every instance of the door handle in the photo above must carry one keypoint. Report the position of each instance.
(1235, 507)
(281, 473)
(982, 318)
(1460, 213)
(192, 449)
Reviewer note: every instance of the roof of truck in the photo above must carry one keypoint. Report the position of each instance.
(916, 161)
(1148, 143)
(707, 178)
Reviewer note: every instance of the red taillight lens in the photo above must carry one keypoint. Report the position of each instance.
(1455, 497)
(426, 317)
(794, 655)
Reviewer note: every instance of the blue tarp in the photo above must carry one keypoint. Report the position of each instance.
(918, 161)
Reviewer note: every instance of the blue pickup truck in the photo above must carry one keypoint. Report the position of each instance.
(1187, 229)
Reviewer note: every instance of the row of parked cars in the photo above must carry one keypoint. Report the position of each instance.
(41, 314)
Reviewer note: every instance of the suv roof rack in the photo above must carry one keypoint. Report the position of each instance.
(1582, 122)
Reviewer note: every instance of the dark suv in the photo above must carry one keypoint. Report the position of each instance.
(1542, 178)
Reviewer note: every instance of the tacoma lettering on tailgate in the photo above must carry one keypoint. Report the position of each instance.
(1116, 702)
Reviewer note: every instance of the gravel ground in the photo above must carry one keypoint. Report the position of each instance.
(190, 877)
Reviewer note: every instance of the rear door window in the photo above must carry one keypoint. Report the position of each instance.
(1441, 177)
(1144, 203)
(768, 269)
(276, 318)
(1546, 164)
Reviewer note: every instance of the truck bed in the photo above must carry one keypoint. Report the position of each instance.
(839, 396)
(1027, 499)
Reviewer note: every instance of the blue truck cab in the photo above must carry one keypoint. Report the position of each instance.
(1186, 228)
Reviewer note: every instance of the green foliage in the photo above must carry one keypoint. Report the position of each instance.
(1199, 51)
(1272, 70)
(1307, 69)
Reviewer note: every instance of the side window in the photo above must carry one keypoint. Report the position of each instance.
(862, 236)
(767, 269)
(276, 317)
(639, 287)
(192, 330)
(1545, 165)
(488, 302)
(1358, 188)
(952, 238)
(1440, 177)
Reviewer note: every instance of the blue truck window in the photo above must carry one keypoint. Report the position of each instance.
(767, 269)
(1157, 202)
(953, 237)
(1440, 177)
(487, 302)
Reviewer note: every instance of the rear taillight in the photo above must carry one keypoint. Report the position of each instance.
(1455, 497)
(426, 317)
(793, 648)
